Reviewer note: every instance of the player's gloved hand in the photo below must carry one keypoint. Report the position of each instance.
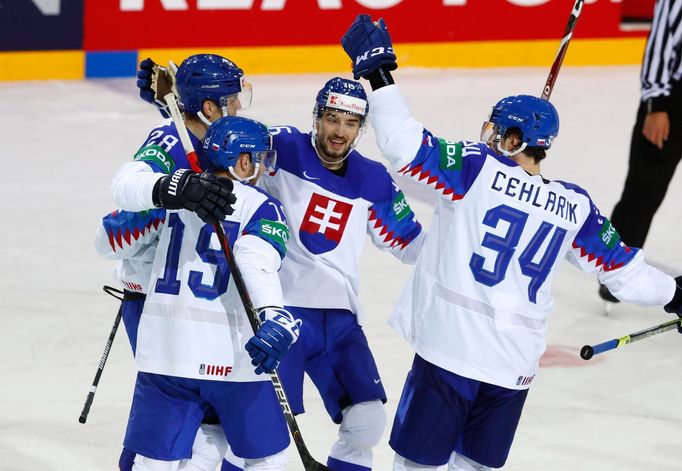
(675, 306)
(204, 193)
(275, 336)
(144, 83)
(369, 46)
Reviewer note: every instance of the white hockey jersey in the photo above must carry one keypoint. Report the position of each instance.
(193, 324)
(478, 300)
(329, 215)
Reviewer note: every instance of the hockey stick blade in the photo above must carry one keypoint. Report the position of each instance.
(163, 82)
(588, 351)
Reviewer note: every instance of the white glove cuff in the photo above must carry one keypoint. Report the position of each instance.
(282, 317)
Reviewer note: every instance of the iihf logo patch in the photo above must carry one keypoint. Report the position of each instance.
(215, 370)
(324, 223)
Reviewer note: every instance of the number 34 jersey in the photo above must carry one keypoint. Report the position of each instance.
(193, 324)
(479, 298)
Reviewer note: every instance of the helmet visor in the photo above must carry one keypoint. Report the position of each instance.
(489, 131)
(266, 158)
(246, 94)
(231, 104)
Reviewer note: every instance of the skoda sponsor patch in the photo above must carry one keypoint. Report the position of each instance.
(608, 234)
(276, 231)
(400, 206)
(157, 156)
(450, 155)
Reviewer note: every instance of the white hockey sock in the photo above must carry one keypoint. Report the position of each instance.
(403, 464)
(462, 463)
(235, 461)
(360, 431)
(276, 462)
(208, 449)
(143, 463)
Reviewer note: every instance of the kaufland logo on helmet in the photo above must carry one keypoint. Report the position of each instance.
(349, 104)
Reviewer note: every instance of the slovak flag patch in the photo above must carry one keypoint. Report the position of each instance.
(324, 223)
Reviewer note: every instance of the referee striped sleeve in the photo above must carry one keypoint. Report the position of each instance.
(662, 62)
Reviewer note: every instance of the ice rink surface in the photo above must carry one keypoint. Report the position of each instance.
(60, 143)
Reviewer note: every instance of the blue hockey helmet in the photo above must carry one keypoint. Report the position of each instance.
(228, 137)
(210, 77)
(537, 119)
(344, 95)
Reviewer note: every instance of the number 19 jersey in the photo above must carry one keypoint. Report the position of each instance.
(193, 324)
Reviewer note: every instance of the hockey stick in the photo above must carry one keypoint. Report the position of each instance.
(309, 463)
(105, 354)
(588, 351)
(563, 47)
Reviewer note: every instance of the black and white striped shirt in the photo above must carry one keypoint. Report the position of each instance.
(663, 55)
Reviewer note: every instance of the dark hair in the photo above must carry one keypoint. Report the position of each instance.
(536, 153)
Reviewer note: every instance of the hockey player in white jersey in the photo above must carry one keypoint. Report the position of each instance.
(211, 86)
(475, 308)
(333, 197)
(191, 351)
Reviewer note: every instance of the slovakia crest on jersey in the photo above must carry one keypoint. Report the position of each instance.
(323, 223)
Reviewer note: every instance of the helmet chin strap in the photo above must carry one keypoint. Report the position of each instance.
(205, 120)
(507, 153)
(244, 180)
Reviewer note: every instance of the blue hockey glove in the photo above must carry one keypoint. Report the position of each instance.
(275, 336)
(675, 305)
(144, 83)
(369, 46)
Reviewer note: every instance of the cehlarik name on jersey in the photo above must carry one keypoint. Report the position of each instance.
(215, 370)
(536, 195)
